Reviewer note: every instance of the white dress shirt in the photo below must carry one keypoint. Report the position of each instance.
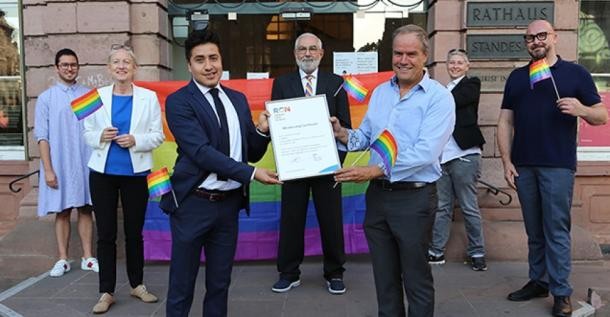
(452, 150)
(212, 182)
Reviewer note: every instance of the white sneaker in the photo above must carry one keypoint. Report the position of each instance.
(60, 267)
(89, 264)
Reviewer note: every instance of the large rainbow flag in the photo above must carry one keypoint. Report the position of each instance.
(258, 233)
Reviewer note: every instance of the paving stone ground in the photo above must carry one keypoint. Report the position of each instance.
(459, 292)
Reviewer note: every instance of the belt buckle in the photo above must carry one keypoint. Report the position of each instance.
(386, 185)
(214, 197)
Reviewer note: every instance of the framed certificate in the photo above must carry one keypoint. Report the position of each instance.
(302, 137)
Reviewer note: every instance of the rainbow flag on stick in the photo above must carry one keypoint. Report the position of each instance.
(386, 147)
(539, 71)
(355, 88)
(86, 104)
(158, 183)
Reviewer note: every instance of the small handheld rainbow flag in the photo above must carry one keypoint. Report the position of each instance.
(355, 88)
(86, 104)
(539, 71)
(386, 147)
(158, 183)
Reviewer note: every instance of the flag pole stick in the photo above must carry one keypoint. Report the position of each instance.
(356, 161)
(175, 199)
(339, 89)
(360, 156)
(555, 86)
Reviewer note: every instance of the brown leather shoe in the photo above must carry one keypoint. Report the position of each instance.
(562, 306)
(142, 293)
(103, 304)
(529, 291)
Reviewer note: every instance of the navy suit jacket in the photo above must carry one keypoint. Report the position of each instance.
(196, 130)
(291, 86)
(466, 95)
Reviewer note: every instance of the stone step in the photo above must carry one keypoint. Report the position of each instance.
(29, 205)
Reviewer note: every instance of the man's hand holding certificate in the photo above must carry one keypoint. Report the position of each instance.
(302, 137)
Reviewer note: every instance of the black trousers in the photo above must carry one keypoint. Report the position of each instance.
(327, 202)
(398, 228)
(105, 192)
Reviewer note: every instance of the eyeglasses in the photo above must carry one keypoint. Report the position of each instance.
(529, 38)
(312, 49)
(120, 46)
(458, 50)
(68, 65)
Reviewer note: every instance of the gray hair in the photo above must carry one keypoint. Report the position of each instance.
(296, 42)
(117, 47)
(458, 52)
(421, 34)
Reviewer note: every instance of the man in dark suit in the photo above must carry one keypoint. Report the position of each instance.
(460, 162)
(308, 81)
(213, 128)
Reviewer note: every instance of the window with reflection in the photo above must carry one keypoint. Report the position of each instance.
(594, 54)
(11, 103)
(259, 39)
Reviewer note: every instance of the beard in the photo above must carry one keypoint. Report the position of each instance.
(538, 52)
(308, 65)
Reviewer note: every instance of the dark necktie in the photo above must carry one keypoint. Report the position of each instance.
(224, 127)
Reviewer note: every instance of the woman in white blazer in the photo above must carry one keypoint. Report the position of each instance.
(122, 133)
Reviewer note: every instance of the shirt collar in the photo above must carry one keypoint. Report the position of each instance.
(314, 74)
(65, 87)
(204, 90)
(425, 83)
(457, 80)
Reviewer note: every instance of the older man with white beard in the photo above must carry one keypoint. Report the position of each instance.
(308, 80)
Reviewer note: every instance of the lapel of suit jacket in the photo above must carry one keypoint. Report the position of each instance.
(465, 79)
(106, 95)
(203, 107)
(322, 83)
(297, 84)
(138, 106)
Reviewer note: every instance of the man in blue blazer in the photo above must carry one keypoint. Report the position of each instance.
(213, 128)
(308, 80)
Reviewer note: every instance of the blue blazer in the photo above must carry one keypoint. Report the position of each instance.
(193, 123)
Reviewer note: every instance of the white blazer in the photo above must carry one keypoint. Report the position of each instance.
(145, 126)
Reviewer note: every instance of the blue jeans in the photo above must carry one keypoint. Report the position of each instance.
(545, 194)
(459, 180)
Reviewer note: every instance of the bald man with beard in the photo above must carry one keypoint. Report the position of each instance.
(537, 140)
